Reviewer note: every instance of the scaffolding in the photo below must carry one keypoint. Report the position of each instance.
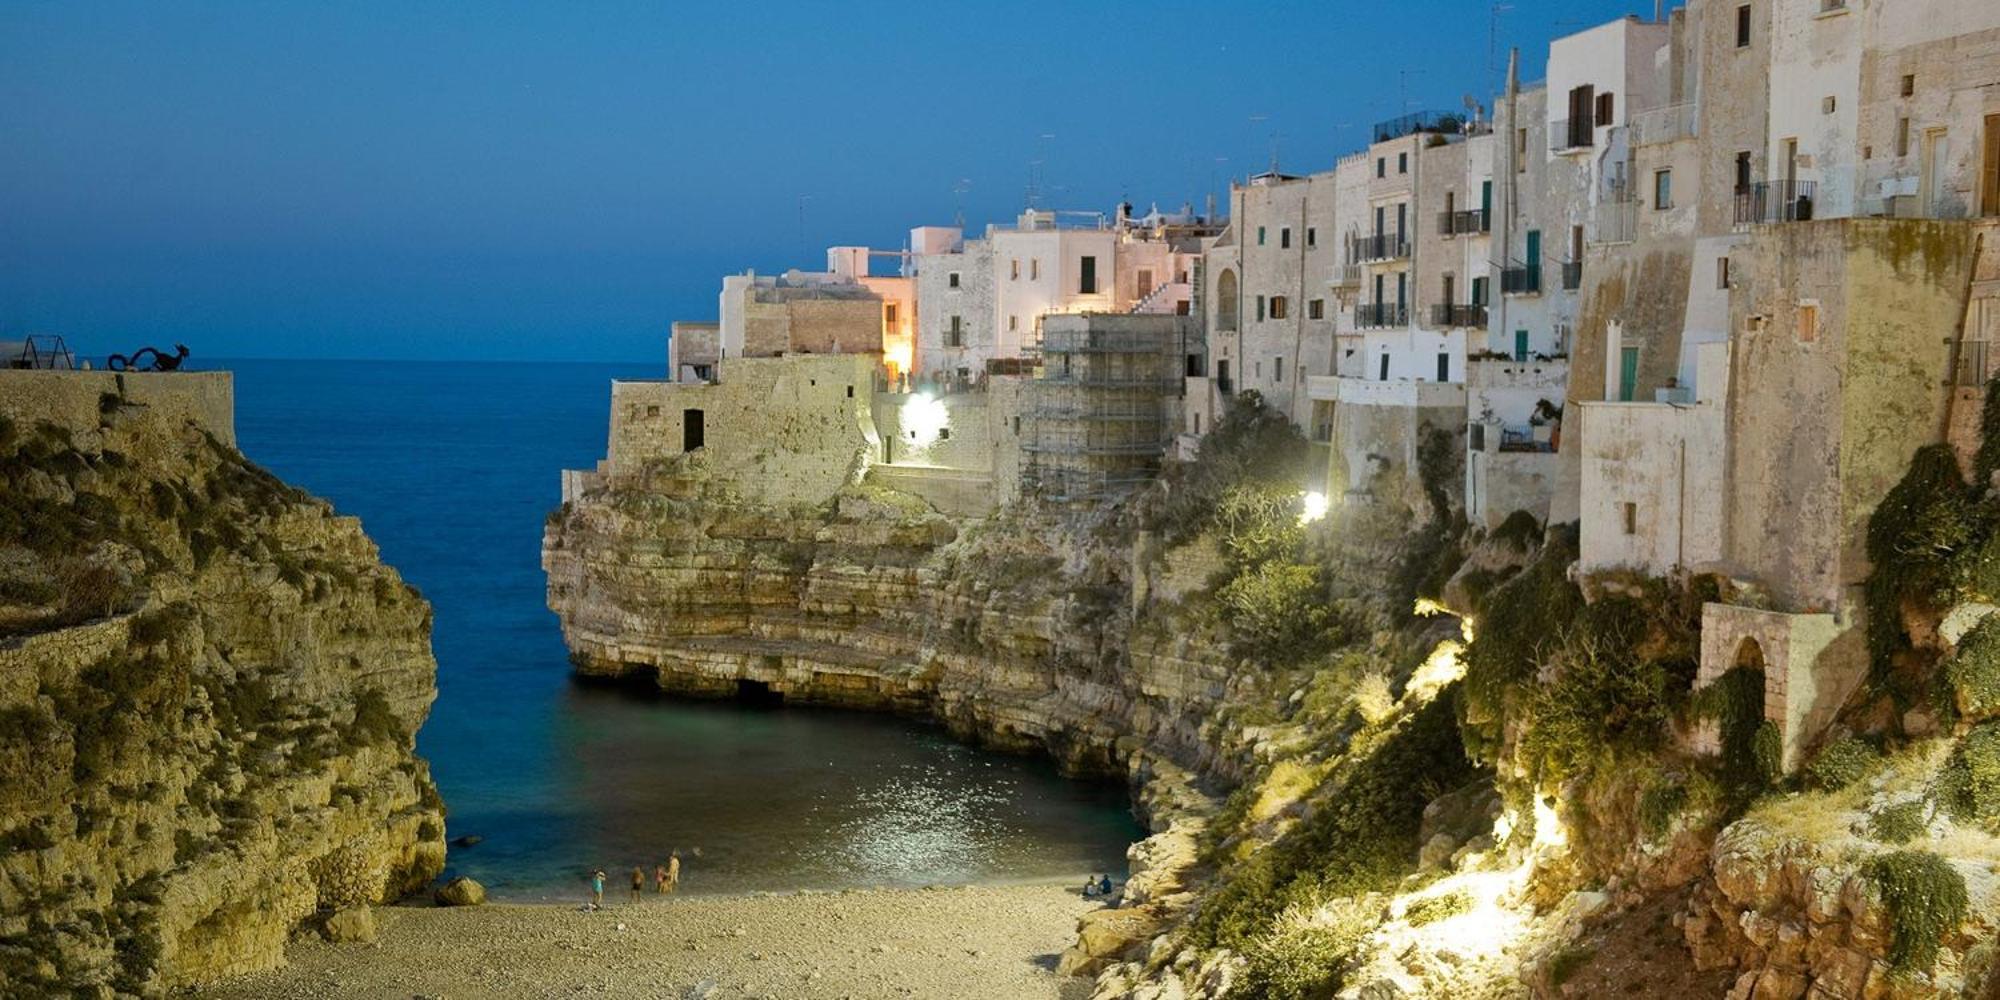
(1099, 414)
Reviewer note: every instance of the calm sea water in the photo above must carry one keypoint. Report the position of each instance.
(451, 468)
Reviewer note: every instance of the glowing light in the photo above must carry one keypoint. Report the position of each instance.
(924, 421)
(1427, 607)
(1444, 665)
(899, 356)
(1313, 506)
(1548, 826)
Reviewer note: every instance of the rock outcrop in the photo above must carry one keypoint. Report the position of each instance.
(209, 690)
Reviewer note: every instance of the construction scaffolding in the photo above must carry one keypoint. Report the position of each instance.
(1100, 414)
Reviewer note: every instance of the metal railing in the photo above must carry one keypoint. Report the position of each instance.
(1972, 360)
(1376, 315)
(1664, 124)
(1446, 122)
(1775, 201)
(1572, 133)
(1572, 275)
(1446, 314)
(1344, 275)
(1523, 279)
(1459, 223)
(1383, 246)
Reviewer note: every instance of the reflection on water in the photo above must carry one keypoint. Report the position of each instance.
(451, 468)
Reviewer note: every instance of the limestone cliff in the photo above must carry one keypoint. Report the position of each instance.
(209, 690)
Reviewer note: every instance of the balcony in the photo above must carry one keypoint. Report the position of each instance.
(1383, 246)
(1775, 201)
(1525, 279)
(1344, 275)
(1463, 223)
(1441, 122)
(1572, 275)
(1381, 315)
(1667, 124)
(1616, 217)
(1445, 315)
(1571, 134)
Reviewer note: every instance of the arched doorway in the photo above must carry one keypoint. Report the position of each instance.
(1225, 300)
(1749, 654)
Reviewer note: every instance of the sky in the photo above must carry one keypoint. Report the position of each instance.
(538, 181)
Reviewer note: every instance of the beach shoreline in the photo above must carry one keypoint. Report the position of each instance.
(970, 941)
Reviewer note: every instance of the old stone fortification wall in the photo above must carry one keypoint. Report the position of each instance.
(185, 780)
(75, 400)
(780, 430)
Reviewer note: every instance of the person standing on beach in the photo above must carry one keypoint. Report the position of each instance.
(638, 883)
(673, 872)
(660, 879)
(597, 889)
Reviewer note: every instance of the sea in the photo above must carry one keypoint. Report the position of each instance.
(451, 467)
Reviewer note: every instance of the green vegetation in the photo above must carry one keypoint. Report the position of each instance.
(1622, 670)
(1968, 785)
(1277, 612)
(1986, 460)
(1842, 763)
(1297, 962)
(1735, 703)
(1660, 803)
(1926, 899)
(1520, 530)
(1431, 909)
(1522, 626)
(1253, 444)
(1932, 542)
(1974, 671)
(1899, 823)
(1567, 962)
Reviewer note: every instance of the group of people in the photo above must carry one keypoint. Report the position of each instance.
(1099, 886)
(666, 878)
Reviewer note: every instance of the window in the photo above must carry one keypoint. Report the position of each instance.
(1381, 166)
(850, 392)
(1402, 163)
(1605, 108)
(1909, 85)
(1826, 105)
(1278, 307)
(1034, 269)
(889, 314)
(1260, 236)
(1316, 309)
(1902, 137)
(652, 411)
(1312, 237)
(1521, 151)
(1087, 281)
(1014, 269)
(1743, 26)
(1808, 321)
(1013, 323)
(1663, 190)
(951, 280)
(1278, 363)
(1722, 272)
(954, 335)
(1742, 171)
(1197, 422)
(1631, 518)
(1479, 291)
(693, 430)
(1385, 366)
(1285, 238)
(1260, 307)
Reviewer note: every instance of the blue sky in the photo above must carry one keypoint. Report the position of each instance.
(546, 181)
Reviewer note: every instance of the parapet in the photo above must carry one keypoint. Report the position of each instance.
(78, 400)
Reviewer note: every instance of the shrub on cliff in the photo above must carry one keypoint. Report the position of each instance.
(1914, 537)
(374, 721)
(1968, 785)
(1611, 693)
(1278, 612)
(1734, 702)
(1926, 899)
(1259, 522)
(1974, 671)
(1522, 625)
(1252, 444)
(1841, 763)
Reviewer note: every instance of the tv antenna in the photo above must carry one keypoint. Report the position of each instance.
(958, 191)
(802, 225)
(1493, 41)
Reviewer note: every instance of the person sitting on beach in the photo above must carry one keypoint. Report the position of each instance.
(597, 888)
(638, 883)
(1104, 886)
(1089, 887)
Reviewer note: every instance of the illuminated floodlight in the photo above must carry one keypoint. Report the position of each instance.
(1313, 506)
(925, 418)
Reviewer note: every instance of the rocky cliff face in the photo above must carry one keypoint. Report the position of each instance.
(209, 690)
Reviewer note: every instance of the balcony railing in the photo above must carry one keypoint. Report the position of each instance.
(1617, 220)
(1444, 122)
(1384, 246)
(1459, 223)
(1775, 201)
(1572, 133)
(1654, 125)
(1376, 315)
(1572, 273)
(1344, 275)
(1524, 279)
(1446, 315)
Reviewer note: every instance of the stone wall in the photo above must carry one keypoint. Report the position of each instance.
(75, 399)
(1811, 665)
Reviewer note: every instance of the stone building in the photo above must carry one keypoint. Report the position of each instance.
(1099, 415)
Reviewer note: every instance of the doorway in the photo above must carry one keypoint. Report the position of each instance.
(1989, 170)
(1628, 374)
(1931, 182)
(693, 430)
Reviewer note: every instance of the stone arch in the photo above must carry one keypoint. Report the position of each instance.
(1225, 300)
(1749, 654)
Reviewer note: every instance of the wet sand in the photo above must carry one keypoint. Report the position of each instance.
(963, 942)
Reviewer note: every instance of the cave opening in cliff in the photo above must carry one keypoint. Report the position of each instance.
(758, 693)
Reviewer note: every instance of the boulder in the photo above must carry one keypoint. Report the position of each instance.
(460, 891)
(353, 925)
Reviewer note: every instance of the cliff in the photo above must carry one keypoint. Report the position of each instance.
(209, 690)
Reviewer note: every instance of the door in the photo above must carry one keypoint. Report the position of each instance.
(1145, 284)
(1931, 186)
(1222, 376)
(1450, 280)
(1791, 169)
(1628, 374)
(1385, 366)
(1989, 170)
(1534, 248)
(1485, 205)
(693, 431)
(1444, 367)
(1520, 345)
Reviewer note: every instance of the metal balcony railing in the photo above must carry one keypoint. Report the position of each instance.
(1444, 122)
(1445, 315)
(1377, 315)
(1525, 279)
(1572, 275)
(1383, 246)
(1775, 201)
(1460, 223)
(1572, 133)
